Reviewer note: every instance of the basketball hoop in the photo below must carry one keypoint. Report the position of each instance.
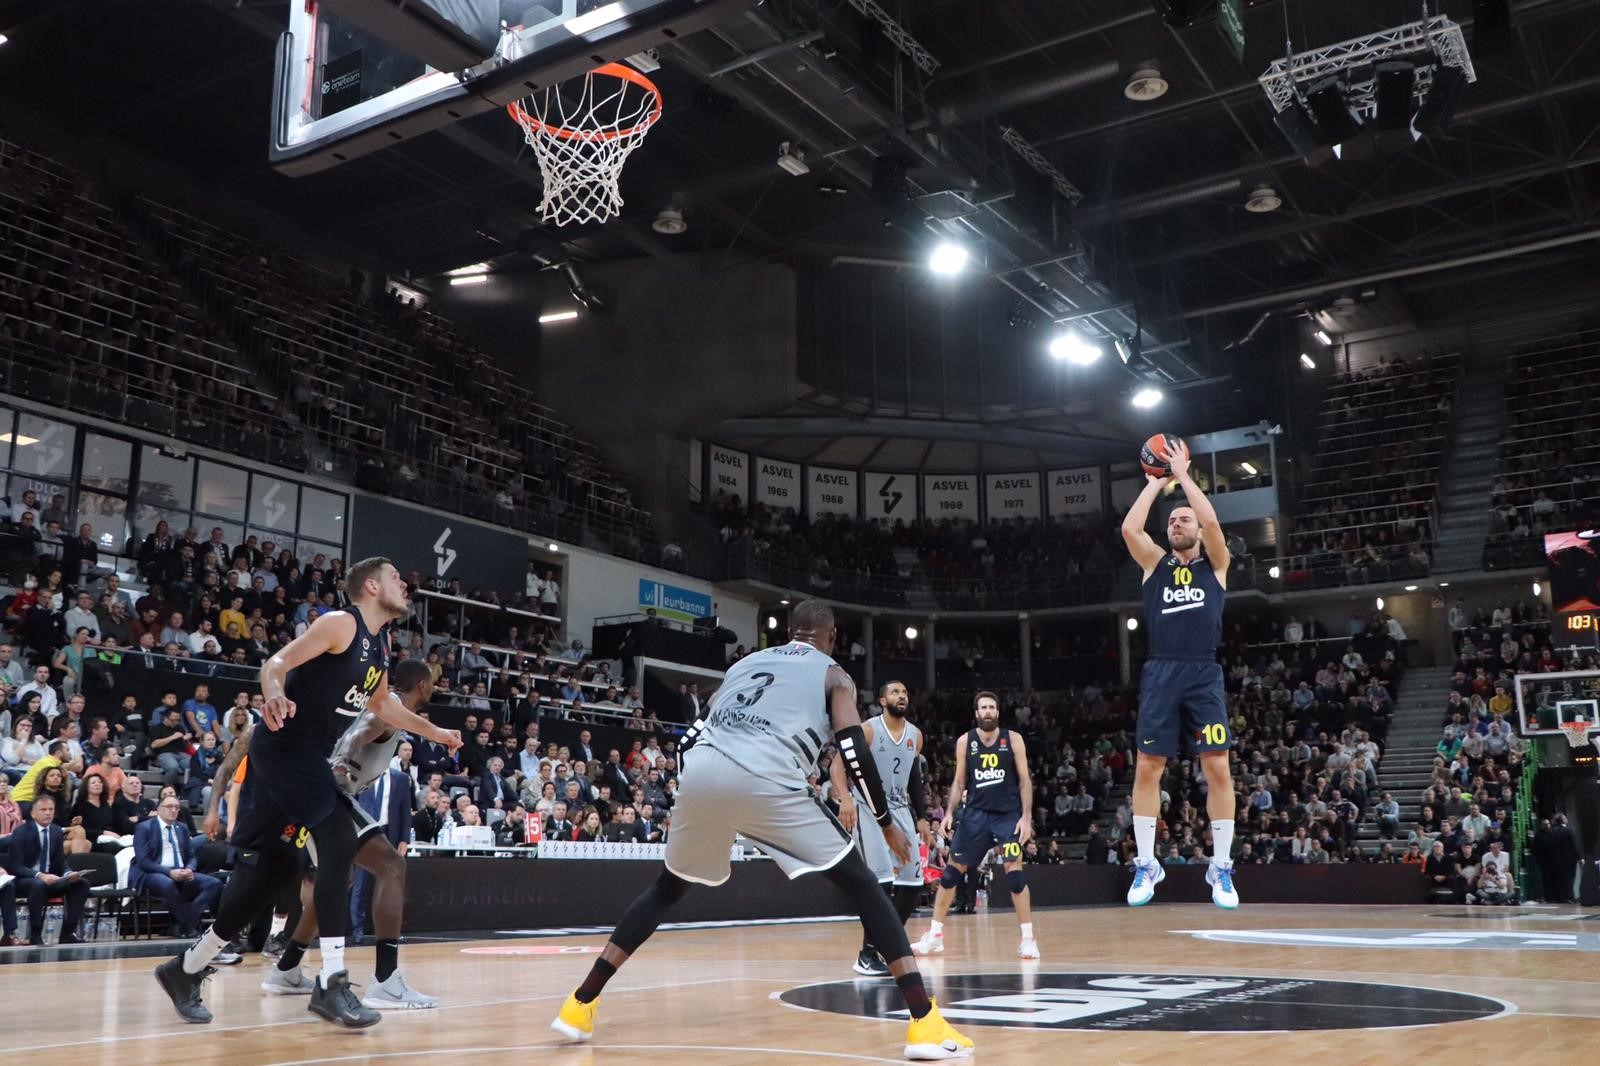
(582, 138)
(1577, 733)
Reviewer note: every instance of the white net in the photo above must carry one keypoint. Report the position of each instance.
(582, 135)
(1577, 733)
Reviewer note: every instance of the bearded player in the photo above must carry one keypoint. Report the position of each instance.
(999, 810)
(896, 746)
(1180, 689)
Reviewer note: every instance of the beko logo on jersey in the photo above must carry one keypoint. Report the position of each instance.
(983, 777)
(1182, 592)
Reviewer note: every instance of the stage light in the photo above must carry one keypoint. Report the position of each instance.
(1380, 603)
(1146, 398)
(948, 258)
(772, 621)
(1303, 134)
(1274, 572)
(911, 632)
(553, 546)
(1323, 338)
(1072, 348)
(1394, 91)
(1307, 362)
(1125, 349)
(1538, 589)
(1133, 624)
(1328, 106)
(1440, 106)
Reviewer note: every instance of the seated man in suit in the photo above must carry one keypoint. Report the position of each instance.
(39, 861)
(164, 865)
(494, 794)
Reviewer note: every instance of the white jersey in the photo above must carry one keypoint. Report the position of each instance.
(366, 759)
(771, 714)
(894, 762)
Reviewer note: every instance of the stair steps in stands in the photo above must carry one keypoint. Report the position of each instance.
(1462, 518)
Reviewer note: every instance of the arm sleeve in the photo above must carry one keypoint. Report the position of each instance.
(916, 789)
(862, 770)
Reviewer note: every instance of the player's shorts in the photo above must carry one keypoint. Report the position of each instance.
(1181, 705)
(264, 825)
(979, 830)
(880, 860)
(719, 798)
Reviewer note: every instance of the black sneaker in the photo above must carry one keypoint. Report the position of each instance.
(870, 964)
(338, 1004)
(229, 955)
(184, 989)
(275, 945)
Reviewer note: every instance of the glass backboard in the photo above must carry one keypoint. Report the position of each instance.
(341, 92)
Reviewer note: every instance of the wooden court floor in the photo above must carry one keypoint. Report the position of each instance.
(709, 996)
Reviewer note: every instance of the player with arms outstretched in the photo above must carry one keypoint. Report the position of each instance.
(1180, 689)
(998, 811)
(332, 673)
(896, 747)
(744, 771)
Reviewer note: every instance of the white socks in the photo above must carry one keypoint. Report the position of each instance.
(1027, 930)
(1222, 842)
(936, 928)
(280, 922)
(332, 948)
(1144, 835)
(202, 951)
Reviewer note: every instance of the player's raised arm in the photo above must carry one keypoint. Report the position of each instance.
(1024, 787)
(1144, 550)
(329, 634)
(1210, 528)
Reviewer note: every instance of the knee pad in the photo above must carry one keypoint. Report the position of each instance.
(951, 876)
(1017, 880)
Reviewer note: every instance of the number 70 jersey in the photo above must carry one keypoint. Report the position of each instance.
(771, 713)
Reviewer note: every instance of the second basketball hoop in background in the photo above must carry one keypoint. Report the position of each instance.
(582, 133)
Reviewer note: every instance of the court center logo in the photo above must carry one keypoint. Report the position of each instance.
(1173, 1003)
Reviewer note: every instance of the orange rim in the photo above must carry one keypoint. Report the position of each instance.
(615, 70)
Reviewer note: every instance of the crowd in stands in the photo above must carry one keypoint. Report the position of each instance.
(1548, 479)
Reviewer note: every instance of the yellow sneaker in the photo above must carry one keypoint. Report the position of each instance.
(576, 1020)
(931, 1038)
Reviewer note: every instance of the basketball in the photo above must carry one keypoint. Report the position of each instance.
(1157, 453)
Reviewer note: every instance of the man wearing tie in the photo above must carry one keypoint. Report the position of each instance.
(584, 750)
(39, 861)
(558, 826)
(164, 865)
(388, 803)
(494, 793)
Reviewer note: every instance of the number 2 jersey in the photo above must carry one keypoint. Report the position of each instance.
(771, 714)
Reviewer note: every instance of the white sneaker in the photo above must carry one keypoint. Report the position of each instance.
(1146, 876)
(395, 994)
(1220, 878)
(286, 982)
(1028, 949)
(929, 944)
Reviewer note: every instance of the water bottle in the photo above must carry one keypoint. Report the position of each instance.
(22, 926)
(52, 925)
(107, 928)
(983, 900)
(86, 927)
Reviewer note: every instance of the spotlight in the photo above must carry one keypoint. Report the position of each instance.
(1146, 398)
(772, 621)
(553, 546)
(1274, 572)
(1323, 338)
(948, 258)
(1380, 603)
(1538, 589)
(1072, 348)
(911, 632)
(1307, 362)
(1133, 624)
(1125, 350)
(784, 602)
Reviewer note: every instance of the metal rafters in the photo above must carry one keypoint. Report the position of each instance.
(1283, 79)
(898, 35)
(1030, 155)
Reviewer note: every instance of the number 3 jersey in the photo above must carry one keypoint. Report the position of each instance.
(771, 714)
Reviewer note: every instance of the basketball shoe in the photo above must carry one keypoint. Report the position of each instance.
(1146, 876)
(1028, 949)
(870, 964)
(1220, 878)
(931, 943)
(183, 988)
(286, 982)
(930, 1038)
(337, 1003)
(394, 994)
(576, 1020)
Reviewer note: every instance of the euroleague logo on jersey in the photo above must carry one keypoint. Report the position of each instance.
(1181, 593)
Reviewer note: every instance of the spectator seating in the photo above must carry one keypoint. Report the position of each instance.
(1548, 478)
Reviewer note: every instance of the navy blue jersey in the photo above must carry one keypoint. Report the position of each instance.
(329, 692)
(1183, 609)
(992, 774)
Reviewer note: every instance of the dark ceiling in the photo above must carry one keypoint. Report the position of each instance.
(1161, 225)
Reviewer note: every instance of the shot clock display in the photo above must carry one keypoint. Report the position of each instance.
(1578, 629)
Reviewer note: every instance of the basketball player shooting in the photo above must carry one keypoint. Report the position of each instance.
(998, 811)
(896, 748)
(333, 672)
(744, 771)
(1180, 689)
